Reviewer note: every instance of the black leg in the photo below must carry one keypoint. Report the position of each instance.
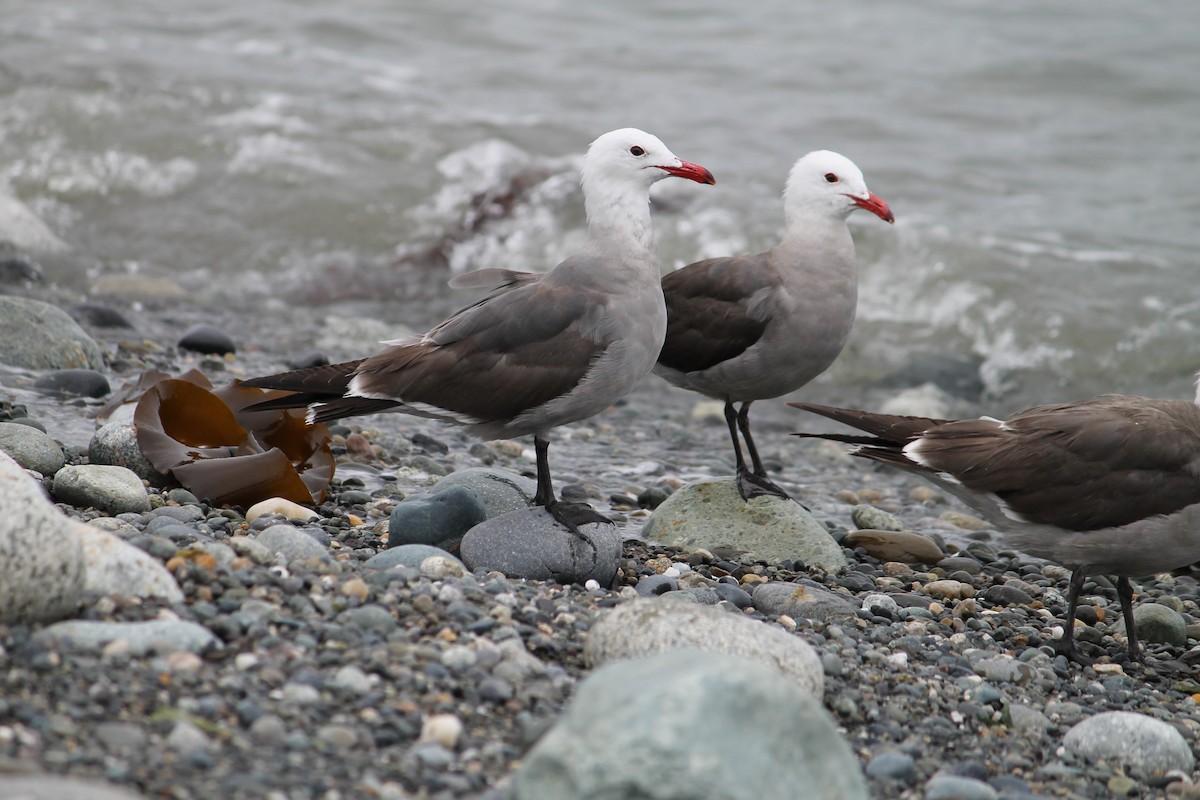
(1066, 645)
(569, 515)
(1125, 595)
(731, 419)
(545, 486)
(751, 483)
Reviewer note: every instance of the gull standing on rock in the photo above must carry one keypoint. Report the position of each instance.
(542, 350)
(746, 328)
(1109, 485)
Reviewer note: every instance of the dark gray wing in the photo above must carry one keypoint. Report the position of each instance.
(710, 316)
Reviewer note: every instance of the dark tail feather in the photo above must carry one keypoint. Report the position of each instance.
(331, 410)
(889, 429)
(330, 380)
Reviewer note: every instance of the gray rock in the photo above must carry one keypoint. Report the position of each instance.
(121, 735)
(186, 739)
(116, 567)
(52, 787)
(291, 543)
(64, 383)
(438, 519)
(31, 448)
(38, 335)
(142, 637)
(803, 600)
(893, 766)
(204, 338)
(1026, 720)
(757, 734)
(1156, 623)
(1142, 744)
(1004, 670)
(115, 490)
(407, 555)
(252, 549)
(499, 490)
(709, 514)
(648, 626)
(531, 544)
(872, 518)
(650, 585)
(116, 444)
(956, 787)
(41, 559)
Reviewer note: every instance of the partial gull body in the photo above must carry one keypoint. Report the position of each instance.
(1109, 485)
(539, 351)
(746, 328)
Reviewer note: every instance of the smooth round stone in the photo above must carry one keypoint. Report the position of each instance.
(803, 600)
(279, 507)
(42, 571)
(532, 544)
(734, 594)
(872, 518)
(37, 335)
(98, 316)
(499, 490)
(371, 617)
(291, 543)
(116, 567)
(115, 490)
(18, 269)
(438, 568)
(1157, 623)
(709, 514)
(116, 444)
(892, 766)
(905, 547)
(956, 787)
(960, 564)
(31, 448)
(407, 555)
(647, 626)
(142, 637)
(73, 383)
(437, 519)
(651, 585)
(203, 338)
(877, 602)
(1004, 595)
(1142, 744)
(949, 589)
(774, 742)
(23, 786)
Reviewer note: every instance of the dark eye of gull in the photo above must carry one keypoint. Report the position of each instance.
(637, 151)
(830, 177)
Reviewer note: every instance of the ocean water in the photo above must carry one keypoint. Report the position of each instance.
(1042, 159)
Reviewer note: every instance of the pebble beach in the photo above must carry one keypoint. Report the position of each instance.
(879, 641)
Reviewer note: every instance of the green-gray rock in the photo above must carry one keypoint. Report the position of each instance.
(872, 518)
(710, 514)
(1156, 623)
(688, 724)
(31, 448)
(38, 335)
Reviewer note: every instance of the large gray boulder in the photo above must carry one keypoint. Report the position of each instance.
(38, 335)
(41, 560)
(684, 725)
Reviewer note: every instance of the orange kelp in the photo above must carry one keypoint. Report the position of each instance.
(221, 453)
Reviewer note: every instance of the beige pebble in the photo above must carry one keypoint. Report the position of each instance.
(444, 729)
(923, 494)
(1108, 669)
(358, 445)
(965, 521)
(787, 622)
(848, 497)
(896, 569)
(183, 661)
(356, 588)
(949, 589)
(751, 578)
(439, 567)
(508, 447)
(278, 505)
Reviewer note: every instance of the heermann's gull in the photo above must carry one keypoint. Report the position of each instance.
(748, 328)
(1109, 485)
(540, 351)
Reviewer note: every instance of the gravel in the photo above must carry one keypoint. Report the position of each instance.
(313, 673)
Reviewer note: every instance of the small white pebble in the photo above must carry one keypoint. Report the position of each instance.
(591, 584)
(278, 505)
(443, 729)
(245, 661)
(671, 572)
(899, 659)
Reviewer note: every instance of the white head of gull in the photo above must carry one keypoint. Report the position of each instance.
(746, 328)
(1109, 485)
(540, 351)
